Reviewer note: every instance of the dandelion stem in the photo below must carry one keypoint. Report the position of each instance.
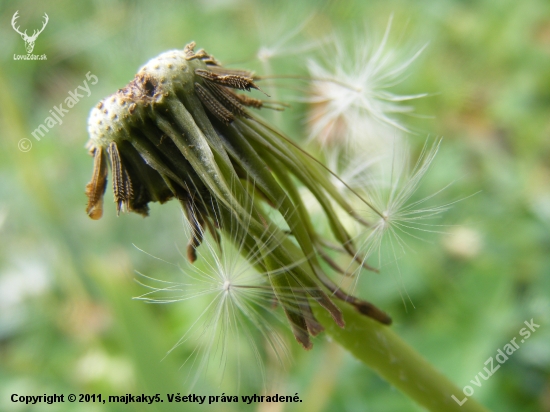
(385, 352)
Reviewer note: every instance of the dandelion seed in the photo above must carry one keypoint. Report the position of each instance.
(350, 96)
(400, 218)
(238, 319)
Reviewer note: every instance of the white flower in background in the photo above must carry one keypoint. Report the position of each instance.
(98, 366)
(350, 96)
(464, 243)
(28, 279)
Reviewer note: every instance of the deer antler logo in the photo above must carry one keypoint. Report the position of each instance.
(29, 40)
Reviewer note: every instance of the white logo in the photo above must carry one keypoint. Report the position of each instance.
(29, 40)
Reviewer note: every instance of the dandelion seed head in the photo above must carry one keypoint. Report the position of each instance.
(189, 136)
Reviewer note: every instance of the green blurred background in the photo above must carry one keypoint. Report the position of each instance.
(67, 320)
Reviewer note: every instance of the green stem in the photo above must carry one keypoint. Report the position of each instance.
(380, 348)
